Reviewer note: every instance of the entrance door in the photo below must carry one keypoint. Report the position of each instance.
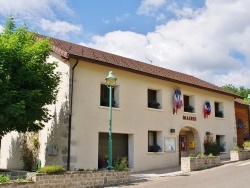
(183, 142)
(182, 146)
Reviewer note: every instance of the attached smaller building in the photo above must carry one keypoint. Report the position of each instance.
(242, 121)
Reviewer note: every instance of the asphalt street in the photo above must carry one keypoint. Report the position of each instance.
(231, 175)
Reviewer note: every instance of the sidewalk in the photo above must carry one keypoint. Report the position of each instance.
(164, 172)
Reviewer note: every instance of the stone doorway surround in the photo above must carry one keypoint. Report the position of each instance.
(189, 141)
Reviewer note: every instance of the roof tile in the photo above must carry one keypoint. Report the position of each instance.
(67, 49)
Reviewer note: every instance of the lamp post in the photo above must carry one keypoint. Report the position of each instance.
(110, 82)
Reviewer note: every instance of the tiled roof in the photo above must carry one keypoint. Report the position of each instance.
(240, 101)
(70, 50)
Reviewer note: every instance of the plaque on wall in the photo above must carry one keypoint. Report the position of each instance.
(240, 124)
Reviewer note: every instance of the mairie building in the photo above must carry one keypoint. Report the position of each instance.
(158, 115)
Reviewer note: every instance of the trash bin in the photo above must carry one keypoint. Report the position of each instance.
(38, 164)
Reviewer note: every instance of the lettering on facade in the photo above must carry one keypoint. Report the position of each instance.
(189, 118)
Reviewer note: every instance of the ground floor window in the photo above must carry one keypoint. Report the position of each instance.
(220, 139)
(119, 148)
(154, 144)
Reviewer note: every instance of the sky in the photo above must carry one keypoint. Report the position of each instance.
(209, 39)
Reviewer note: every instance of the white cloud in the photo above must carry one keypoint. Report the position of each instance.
(161, 18)
(60, 28)
(148, 7)
(122, 17)
(199, 45)
(54, 16)
(30, 9)
(120, 42)
(105, 21)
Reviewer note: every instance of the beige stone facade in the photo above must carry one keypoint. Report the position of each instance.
(136, 125)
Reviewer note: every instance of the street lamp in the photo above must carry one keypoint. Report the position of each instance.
(110, 82)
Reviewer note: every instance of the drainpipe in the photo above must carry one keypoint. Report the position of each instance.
(70, 111)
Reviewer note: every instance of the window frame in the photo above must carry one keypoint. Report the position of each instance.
(154, 143)
(104, 96)
(153, 99)
(188, 103)
(218, 110)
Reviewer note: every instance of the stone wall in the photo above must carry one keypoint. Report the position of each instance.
(239, 155)
(192, 163)
(73, 179)
(241, 113)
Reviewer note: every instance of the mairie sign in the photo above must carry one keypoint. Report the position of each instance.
(191, 118)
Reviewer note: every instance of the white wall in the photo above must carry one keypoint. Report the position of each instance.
(10, 151)
(56, 130)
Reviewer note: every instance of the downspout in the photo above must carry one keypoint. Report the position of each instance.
(70, 111)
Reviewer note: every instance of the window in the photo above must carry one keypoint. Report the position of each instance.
(220, 140)
(154, 99)
(218, 109)
(104, 96)
(153, 141)
(188, 103)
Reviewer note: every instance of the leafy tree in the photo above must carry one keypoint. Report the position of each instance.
(27, 82)
(242, 91)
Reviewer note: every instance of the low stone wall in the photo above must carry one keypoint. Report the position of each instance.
(15, 174)
(239, 155)
(73, 179)
(192, 163)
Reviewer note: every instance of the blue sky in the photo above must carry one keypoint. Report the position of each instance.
(205, 38)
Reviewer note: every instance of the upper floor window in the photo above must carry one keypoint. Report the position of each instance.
(104, 96)
(154, 99)
(218, 109)
(188, 104)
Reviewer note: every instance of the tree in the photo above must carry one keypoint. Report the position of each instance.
(242, 91)
(28, 84)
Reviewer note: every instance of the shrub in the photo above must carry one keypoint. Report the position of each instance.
(246, 144)
(237, 148)
(200, 156)
(210, 155)
(29, 150)
(4, 178)
(213, 147)
(191, 155)
(51, 169)
(121, 163)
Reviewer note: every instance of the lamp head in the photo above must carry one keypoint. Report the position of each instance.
(111, 79)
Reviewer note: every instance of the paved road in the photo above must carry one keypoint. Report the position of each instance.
(233, 175)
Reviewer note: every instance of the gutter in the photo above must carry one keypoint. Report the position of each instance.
(70, 111)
